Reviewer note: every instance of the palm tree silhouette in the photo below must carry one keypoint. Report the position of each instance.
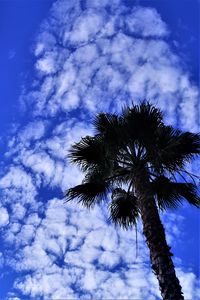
(139, 159)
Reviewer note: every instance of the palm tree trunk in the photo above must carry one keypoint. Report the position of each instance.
(153, 230)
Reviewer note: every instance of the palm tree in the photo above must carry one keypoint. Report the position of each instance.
(139, 159)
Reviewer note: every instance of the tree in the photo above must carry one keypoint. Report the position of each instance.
(142, 162)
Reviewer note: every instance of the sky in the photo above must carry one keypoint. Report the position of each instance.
(61, 63)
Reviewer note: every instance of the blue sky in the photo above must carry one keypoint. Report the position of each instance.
(62, 62)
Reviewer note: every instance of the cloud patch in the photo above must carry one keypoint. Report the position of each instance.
(107, 55)
(4, 217)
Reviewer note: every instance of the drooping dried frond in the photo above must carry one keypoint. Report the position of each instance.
(171, 194)
(123, 208)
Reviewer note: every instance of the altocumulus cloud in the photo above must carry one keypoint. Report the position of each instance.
(90, 56)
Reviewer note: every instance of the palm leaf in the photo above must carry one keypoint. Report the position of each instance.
(106, 123)
(123, 208)
(173, 148)
(98, 172)
(110, 127)
(189, 144)
(88, 194)
(141, 122)
(89, 151)
(170, 194)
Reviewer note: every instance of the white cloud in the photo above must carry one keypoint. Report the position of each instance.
(16, 177)
(33, 131)
(86, 54)
(33, 161)
(89, 265)
(85, 27)
(102, 3)
(39, 49)
(190, 285)
(17, 186)
(1, 260)
(18, 211)
(49, 243)
(4, 217)
(146, 22)
(52, 285)
(47, 64)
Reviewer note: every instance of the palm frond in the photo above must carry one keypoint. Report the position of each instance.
(87, 152)
(105, 123)
(189, 144)
(189, 192)
(140, 124)
(170, 194)
(98, 172)
(172, 148)
(111, 128)
(88, 194)
(123, 208)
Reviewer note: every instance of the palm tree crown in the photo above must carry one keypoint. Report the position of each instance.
(130, 150)
(122, 144)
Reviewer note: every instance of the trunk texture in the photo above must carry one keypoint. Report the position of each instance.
(153, 230)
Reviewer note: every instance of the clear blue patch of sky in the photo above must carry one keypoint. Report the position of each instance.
(19, 23)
